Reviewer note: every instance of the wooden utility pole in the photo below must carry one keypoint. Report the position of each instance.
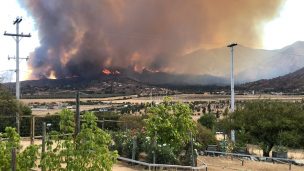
(17, 37)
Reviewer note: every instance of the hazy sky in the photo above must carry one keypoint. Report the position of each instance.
(283, 30)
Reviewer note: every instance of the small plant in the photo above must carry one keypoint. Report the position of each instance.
(25, 159)
(280, 148)
(88, 151)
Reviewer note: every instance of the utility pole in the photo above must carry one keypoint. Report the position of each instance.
(17, 36)
(232, 87)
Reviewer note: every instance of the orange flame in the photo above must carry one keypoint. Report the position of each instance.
(52, 76)
(109, 72)
(106, 72)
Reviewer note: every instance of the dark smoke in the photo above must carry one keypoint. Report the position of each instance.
(81, 37)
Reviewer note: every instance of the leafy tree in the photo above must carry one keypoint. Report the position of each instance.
(171, 123)
(25, 159)
(8, 105)
(208, 120)
(269, 123)
(89, 150)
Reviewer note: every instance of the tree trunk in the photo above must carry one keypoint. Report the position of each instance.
(266, 153)
(267, 149)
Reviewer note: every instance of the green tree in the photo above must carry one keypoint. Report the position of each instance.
(88, 151)
(25, 158)
(208, 120)
(8, 105)
(171, 123)
(269, 123)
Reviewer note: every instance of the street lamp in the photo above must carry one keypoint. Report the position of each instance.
(232, 87)
(232, 76)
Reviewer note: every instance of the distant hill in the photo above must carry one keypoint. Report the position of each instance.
(127, 82)
(162, 78)
(293, 82)
(250, 64)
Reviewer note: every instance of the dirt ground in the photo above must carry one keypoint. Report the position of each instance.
(158, 99)
(179, 97)
(228, 164)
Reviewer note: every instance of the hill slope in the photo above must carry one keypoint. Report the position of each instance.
(293, 82)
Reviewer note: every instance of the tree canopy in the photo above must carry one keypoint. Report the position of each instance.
(171, 122)
(208, 120)
(269, 123)
(8, 105)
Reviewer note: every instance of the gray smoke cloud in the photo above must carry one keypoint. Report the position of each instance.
(82, 37)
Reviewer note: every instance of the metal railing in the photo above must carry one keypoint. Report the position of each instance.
(151, 165)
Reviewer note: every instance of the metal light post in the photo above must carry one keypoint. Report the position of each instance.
(232, 76)
(232, 87)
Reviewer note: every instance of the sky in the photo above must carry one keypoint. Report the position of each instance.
(8, 14)
(284, 29)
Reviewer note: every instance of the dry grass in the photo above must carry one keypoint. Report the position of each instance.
(179, 97)
(228, 164)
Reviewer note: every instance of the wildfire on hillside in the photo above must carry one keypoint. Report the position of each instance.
(78, 38)
(52, 76)
(109, 72)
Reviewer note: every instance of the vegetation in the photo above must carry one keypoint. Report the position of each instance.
(25, 159)
(131, 122)
(208, 120)
(204, 137)
(268, 123)
(168, 127)
(163, 135)
(89, 152)
(9, 106)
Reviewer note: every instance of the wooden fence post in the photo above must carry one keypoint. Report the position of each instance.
(32, 130)
(13, 162)
(43, 143)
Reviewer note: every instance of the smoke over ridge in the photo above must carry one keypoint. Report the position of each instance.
(81, 38)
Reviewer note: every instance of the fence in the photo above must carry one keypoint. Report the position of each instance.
(163, 166)
(31, 126)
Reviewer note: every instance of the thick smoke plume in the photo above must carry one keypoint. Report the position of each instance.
(82, 37)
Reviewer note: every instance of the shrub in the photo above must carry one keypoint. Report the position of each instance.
(208, 120)
(204, 137)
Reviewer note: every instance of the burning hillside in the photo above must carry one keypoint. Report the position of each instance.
(82, 38)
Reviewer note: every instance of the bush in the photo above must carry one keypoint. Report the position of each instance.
(88, 151)
(25, 159)
(208, 120)
(204, 137)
